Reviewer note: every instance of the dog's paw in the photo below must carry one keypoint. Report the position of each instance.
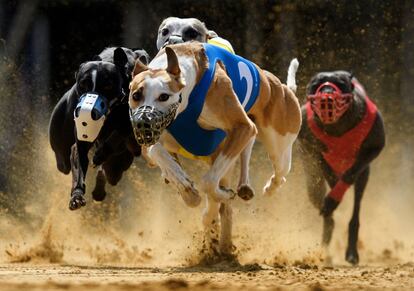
(245, 192)
(224, 194)
(184, 185)
(191, 196)
(273, 185)
(98, 195)
(327, 262)
(77, 200)
(352, 257)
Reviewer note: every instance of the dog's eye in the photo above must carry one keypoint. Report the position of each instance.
(137, 96)
(163, 97)
(164, 31)
(84, 85)
(191, 33)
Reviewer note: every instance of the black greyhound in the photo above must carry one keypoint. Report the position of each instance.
(341, 135)
(106, 76)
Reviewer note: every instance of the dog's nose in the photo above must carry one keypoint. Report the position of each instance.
(175, 39)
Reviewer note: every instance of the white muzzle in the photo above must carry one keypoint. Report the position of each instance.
(89, 116)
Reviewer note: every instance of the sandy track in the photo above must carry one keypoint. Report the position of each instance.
(145, 223)
(250, 277)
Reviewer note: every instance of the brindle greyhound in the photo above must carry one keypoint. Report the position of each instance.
(341, 135)
(107, 75)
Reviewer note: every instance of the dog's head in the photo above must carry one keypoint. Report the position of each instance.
(109, 73)
(330, 95)
(177, 30)
(154, 98)
(101, 84)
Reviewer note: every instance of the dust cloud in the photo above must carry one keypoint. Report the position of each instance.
(144, 222)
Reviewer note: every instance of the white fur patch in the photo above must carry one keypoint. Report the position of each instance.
(279, 148)
(94, 73)
(188, 72)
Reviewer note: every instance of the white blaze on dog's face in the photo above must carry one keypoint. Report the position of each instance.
(154, 98)
(177, 30)
(159, 88)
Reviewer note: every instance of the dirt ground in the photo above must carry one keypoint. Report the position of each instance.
(249, 277)
(143, 237)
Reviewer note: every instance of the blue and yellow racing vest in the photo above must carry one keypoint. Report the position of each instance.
(200, 142)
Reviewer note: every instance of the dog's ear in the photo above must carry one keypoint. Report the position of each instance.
(96, 58)
(172, 60)
(211, 34)
(138, 68)
(77, 72)
(120, 58)
(351, 77)
(141, 55)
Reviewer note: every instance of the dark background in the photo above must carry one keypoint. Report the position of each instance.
(43, 43)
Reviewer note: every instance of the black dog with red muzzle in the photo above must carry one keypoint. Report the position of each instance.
(342, 133)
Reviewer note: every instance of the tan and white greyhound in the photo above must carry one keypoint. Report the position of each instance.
(274, 118)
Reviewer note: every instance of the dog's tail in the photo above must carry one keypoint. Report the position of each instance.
(291, 77)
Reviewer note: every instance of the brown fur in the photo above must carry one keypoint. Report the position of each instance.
(276, 105)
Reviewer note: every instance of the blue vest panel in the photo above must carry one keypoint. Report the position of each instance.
(246, 84)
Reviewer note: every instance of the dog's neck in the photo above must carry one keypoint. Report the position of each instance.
(349, 120)
(188, 72)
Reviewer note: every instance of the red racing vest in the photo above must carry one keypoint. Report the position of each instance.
(341, 151)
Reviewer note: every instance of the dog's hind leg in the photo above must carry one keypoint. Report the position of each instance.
(244, 190)
(315, 181)
(328, 227)
(279, 148)
(223, 110)
(211, 226)
(316, 187)
(225, 161)
(226, 224)
(352, 250)
(328, 221)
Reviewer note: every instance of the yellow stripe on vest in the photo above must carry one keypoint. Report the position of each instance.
(182, 152)
(221, 42)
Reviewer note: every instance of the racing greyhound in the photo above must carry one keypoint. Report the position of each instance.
(342, 134)
(199, 98)
(95, 112)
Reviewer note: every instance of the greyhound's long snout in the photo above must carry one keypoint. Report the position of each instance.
(174, 39)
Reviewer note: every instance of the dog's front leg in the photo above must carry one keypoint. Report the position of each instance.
(79, 162)
(244, 190)
(173, 172)
(237, 140)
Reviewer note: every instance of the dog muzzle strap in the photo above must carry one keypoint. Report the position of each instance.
(148, 122)
(89, 116)
(329, 103)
